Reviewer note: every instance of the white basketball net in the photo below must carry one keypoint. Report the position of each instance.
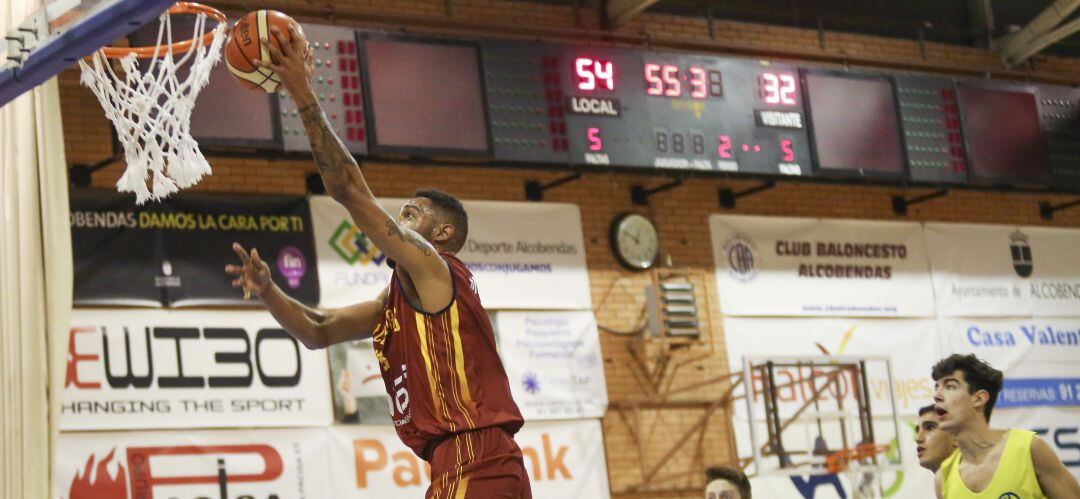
(864, 478)
(151, 111)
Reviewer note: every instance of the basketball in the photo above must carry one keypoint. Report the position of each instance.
(245, 44)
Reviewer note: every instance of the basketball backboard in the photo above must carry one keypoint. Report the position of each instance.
(805, 411)
(61, 33)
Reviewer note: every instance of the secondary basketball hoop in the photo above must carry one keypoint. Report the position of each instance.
(814, 414)
(862, 465)
(151, 109)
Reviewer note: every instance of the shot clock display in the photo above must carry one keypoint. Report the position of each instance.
(407, 81)
(854, 124)
(1005, 142)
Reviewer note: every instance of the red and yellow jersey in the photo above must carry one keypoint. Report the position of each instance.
(442, 370)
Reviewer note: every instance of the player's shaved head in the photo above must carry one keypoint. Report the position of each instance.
(448, 210)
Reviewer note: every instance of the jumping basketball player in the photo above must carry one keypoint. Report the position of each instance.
(932, 445)
(450, 397)
(991, 463)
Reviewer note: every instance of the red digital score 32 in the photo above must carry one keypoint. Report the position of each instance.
(777, 88)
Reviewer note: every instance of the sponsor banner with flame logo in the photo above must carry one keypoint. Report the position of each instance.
(782, 266)
(523, 255)
(1003, 271)
(190, 369)
(912, 347)
(564, 459)
(265, 464)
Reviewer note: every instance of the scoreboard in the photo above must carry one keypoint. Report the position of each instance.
(617, 107)
(585, 106)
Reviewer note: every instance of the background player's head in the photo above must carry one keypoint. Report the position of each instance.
(726, 483)
(438, 217)
(932, 445)
(966, 389)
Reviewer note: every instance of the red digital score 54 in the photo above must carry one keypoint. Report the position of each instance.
(592, 74)
(777, 88)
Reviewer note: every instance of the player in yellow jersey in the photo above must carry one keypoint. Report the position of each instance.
(990, 463)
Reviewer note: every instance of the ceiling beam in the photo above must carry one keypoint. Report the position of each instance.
(618, 12)
(1037, 45)
(1040, 33)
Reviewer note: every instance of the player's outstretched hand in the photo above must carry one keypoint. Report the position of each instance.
(253, 276)
(293, 62)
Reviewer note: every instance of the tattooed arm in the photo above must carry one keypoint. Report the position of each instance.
(346, 184)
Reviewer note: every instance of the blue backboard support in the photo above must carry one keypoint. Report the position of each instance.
(110, 21)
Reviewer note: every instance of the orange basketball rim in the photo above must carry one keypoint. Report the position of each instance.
(190, 8)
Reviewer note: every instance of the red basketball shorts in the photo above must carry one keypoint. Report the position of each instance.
(480, 464)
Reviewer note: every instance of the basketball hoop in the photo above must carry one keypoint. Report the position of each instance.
(865, 476)
(151, 110)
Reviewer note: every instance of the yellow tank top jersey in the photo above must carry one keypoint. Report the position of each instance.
(1014, 478)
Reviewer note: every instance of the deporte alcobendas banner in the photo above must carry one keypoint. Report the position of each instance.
(523, 255)
(773, 266)
(173, 252)
(186, 369)
(1004, 271)
(191, 464)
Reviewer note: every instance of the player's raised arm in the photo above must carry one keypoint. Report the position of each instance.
(1053, 476)
(346, 184)
(314, 328)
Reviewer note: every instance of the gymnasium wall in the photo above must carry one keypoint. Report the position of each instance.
(680, 214)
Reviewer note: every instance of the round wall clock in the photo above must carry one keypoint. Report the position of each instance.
(634, 241)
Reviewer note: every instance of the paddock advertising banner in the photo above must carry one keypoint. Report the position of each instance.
(564, 459)
(1004, 271)
(773, 266)
(553, 362)
(912, 347)
(189, 369)
(193, 464)
(173, 253)
(523, 255)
